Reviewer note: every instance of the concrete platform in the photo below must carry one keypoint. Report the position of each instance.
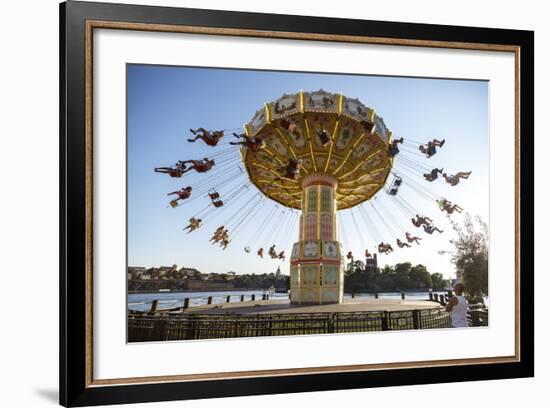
(284, 306)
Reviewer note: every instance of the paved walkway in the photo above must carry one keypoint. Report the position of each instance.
(284, 306)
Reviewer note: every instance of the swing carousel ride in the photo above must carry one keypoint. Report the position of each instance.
(310, 155)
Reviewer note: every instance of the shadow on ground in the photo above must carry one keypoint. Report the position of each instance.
(50, 395)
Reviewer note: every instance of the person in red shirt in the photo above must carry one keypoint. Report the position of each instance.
(200, 166)
(182, 194)
(208, 137)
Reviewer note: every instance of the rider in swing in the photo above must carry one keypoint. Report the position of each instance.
(224, 242)
(208, 137)
(419, 221)
(392, 147)
(176, 171)
(324, 137)
(401, 244)
(411, 238)
(433, 174)
(217, 235)
(182, 194)
(448, 207)
(292, 169)
(200, 166)
(288, 124)
(429, 149)
(430, 228)
(194, 223)
(255, 144)
(453, 180)
(368, 126)
(384, 248)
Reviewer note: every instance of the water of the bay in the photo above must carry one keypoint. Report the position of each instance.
(168, 300)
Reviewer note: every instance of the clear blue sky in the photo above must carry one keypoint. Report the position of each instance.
(164, 102)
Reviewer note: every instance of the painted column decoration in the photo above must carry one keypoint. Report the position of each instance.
(316, 264)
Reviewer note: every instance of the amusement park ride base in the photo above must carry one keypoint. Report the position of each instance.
(275, 306)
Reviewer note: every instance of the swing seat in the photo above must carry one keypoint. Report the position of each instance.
(395, 185)
(368, 126)
(173, 203)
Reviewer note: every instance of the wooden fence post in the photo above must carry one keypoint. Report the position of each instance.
(253, 297)
(402, 295)
(376, 295)
(209, 300)
(330, 323)
(442, 300)
(186, 303)
(416, 319)
(154, 306)
(158, 332)
(196, 329)
(228, 299)
(431, 296)
(385, 321)
(474, 316)
(242, 298)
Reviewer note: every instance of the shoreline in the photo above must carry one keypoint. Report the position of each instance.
(199, 291)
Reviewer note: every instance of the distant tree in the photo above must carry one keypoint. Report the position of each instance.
(420, 277)
(438, 283)
(387, 278)
(470, 255)
(354, 267)
(354, 277)
(402, 280)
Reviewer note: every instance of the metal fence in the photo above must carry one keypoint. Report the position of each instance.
(203, 326)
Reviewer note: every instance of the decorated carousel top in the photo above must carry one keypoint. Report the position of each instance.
(324, 133)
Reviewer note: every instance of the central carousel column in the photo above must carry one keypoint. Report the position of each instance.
(316, 263)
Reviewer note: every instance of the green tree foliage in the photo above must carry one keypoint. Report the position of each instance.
(470, 255)
(438, 282)
(354, 276)
(420, 276)
(402, 276)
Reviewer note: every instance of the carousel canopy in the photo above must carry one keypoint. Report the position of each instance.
(356, 156)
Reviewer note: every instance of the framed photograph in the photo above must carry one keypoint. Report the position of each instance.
(259, 204)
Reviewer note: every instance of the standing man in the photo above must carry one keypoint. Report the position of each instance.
(458, 307)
